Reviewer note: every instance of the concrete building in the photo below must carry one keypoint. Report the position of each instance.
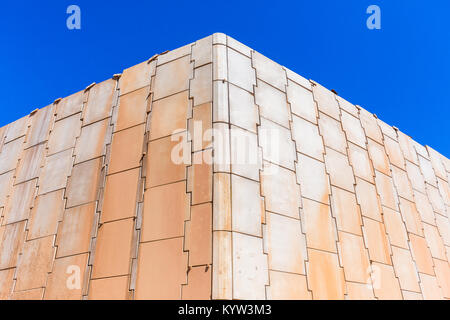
(212, 172)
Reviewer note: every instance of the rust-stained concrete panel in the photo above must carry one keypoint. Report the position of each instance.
(212, 172)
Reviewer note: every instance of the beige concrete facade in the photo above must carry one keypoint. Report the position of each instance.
(212, 172)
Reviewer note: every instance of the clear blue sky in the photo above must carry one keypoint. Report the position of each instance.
(401, 72)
